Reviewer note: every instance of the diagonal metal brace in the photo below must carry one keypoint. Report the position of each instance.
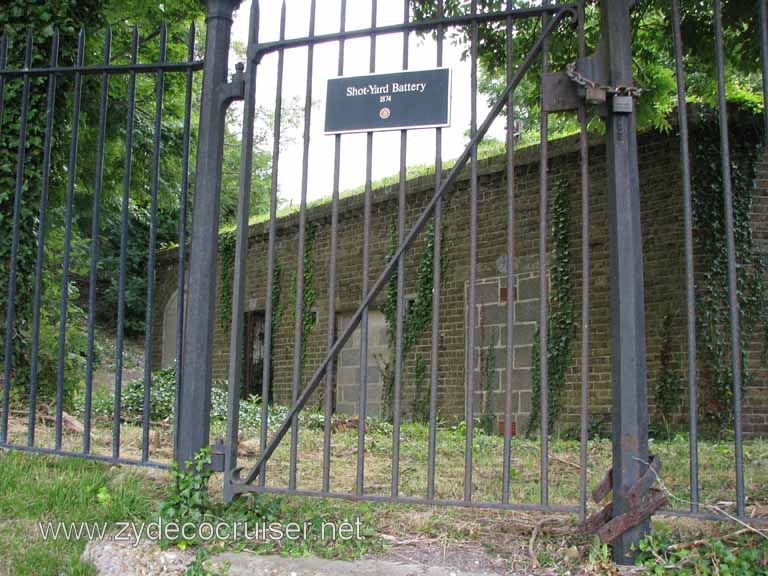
(608, 527)
(624, 522)
(389, 269)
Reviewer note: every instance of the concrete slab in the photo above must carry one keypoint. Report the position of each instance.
(245, 564)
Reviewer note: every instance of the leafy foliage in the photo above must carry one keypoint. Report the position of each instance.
(560, 312)
(712, 312)
(422, 393)
(187, 499)
(745, 555)
(227, 242)
(668, 391)
(309, 296)
(416, 316)
(652, 56)
(488, 418)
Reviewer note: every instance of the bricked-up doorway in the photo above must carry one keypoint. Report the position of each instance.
(253, 356)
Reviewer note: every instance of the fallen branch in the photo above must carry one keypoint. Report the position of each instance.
(531, 542)
(748, 527)
(704, 541)
(67, 421)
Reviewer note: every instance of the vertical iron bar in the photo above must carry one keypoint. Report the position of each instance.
(197, 368)
(328, 396)
(298, 352)
(690, 289)
(436, 282)
(511, 284)
(628, 359)
(92, 278)
(183, 209)
(71, 170)
(400, 306)
(124, 247)
(234, 385)
(470, 358)
(764, 57)
(20, 158)
(42, 218)
(268, 308)
(363, 394)
(543, 269)
(148, 324)
(733, 300)
(585, 278)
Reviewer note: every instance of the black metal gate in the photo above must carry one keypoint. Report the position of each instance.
(603, 79)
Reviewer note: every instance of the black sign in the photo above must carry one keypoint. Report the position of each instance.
(413, 99)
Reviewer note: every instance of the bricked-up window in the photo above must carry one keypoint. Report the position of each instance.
(348, 374)
(491, 339)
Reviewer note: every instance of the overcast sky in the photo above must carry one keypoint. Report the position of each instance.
(386, 146)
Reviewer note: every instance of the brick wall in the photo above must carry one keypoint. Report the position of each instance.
(661, 217)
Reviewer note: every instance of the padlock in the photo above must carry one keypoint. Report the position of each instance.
(595, 95)
(623, 104)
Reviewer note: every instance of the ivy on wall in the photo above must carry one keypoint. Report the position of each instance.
(668, 390)
(422, 394)
(560, 312)
(309, 296)
(488, 364)
(712, 313)
(226, 274)
(416, 317)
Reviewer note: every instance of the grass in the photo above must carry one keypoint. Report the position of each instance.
(36, 488)
(716, 461)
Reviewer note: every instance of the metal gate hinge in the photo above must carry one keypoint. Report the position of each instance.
(234, 89)
(217, 456)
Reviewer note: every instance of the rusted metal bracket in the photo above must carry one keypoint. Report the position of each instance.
(587, 79)
(559, 92)
(608, 528)
(598, 519)
(584, 80)
(603, 489)
(620, 524)
(217, 456)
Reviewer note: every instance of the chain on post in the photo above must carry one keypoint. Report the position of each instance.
(596, 92)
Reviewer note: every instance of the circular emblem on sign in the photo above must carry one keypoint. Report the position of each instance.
(384, 113)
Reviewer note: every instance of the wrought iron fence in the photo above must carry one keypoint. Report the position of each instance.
(30, 235)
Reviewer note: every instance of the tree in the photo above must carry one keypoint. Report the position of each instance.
(68, 16)
(653, 56)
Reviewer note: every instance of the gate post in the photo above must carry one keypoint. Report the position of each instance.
(193, 412)
(628, 367)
